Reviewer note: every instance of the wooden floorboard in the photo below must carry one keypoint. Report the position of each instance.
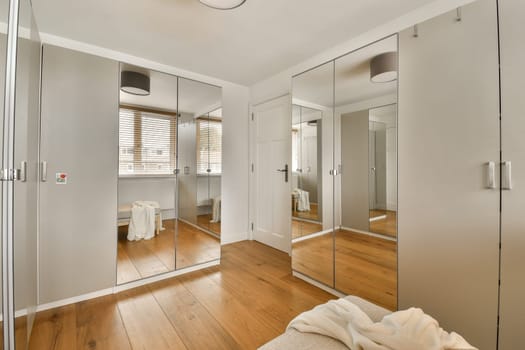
(145, 258)
(241, 304)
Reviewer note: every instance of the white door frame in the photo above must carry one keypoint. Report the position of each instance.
(280, 100)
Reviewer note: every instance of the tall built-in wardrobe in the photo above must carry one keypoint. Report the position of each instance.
(460, 179)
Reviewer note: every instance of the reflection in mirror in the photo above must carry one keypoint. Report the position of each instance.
(306, 152)
(382, 161)
(199, 179)
(312, 184)
(146, 187)
(209, 168)
(366, 190)
(4, 10)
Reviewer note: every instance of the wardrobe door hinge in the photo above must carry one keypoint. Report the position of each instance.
(253, 117)
(253, 167)
(252, 226)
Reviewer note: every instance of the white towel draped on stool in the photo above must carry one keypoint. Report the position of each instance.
(142, 223)
(303, 199)
(216, 210)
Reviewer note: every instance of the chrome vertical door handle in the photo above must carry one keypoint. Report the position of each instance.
(491, 175)
(285, 171)
(43, 171)
(22, 172)
(506, 175)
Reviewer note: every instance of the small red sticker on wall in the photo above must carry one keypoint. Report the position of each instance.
(61, 178)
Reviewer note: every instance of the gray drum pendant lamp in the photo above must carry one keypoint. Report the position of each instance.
(223, 4)
(383, 68)
(134, 83)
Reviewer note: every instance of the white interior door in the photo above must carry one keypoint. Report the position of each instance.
(271, 186)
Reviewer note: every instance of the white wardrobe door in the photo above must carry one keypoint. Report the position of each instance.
(512, 304)
(78, 239)
(448, 130)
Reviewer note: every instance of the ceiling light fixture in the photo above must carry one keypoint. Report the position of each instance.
(223, 4)
(383, 68)
(134, 83)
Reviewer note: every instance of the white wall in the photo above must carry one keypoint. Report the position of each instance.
(235, 165)
(159, 189)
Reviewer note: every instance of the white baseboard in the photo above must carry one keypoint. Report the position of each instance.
(376, 235)
(201, 229)
(76, 299)
(318, 284)
(314, 235)
(116, 289)
(377, 218)
(305, 220)
(148, 280)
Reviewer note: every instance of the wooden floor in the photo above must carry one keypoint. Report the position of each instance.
(241, 304)
(204, 222)
(365, 266)
(387, 226)
(139, 259)
(312, 214)
(302, 228)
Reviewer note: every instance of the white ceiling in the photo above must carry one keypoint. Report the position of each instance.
(244, 45)
(352, 78)
(194, 97)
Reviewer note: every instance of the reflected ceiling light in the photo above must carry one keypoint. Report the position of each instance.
(134, 83)
(383, 68)
(223, 4)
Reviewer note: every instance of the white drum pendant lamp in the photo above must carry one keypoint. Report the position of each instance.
(223, 4)
(383, 68)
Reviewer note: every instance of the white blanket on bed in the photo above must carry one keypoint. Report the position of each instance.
(409, 329)
(142, 222)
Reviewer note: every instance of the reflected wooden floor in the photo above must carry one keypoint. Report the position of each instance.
(303, 228)
(145, 258)
(365, 266)
(387, 226)
(195, 246)
(243, 303)
(139, 259)
(312, 214)
(315, 258)
(204, 221)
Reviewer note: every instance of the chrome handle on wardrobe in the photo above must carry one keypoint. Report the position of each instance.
(491, 175)
(506, 175)
(22, 172)
(43, 171)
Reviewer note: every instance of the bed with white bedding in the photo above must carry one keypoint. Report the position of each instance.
(293, 339)
(353, 323)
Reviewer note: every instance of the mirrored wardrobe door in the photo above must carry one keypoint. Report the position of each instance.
(365, 136)
(198, 211)
(147, 165)
(215, 169)
(312, 181)
(203, 176)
